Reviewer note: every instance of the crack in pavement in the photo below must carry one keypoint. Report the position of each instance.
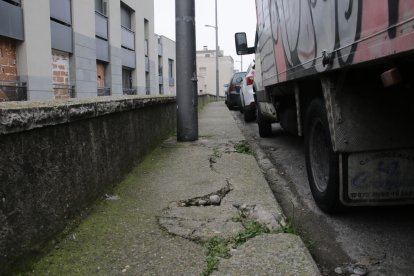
(213, 198)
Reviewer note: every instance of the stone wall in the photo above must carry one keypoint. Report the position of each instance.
(57, 157)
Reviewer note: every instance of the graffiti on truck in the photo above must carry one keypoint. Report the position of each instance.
(311, 36)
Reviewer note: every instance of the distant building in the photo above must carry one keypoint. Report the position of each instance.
(166, 65)
(56, 49)
(206, 71)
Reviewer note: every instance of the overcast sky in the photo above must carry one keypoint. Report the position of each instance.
(233, 16)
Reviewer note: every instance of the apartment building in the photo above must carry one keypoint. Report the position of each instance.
(166, 65)
(206, 71)
(57, 49)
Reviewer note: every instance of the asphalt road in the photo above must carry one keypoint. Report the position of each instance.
(379, 240)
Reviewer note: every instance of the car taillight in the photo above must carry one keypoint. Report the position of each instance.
(249, 80)
(232, 87)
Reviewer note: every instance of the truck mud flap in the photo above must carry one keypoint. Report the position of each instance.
(377, 178)
(268, 111)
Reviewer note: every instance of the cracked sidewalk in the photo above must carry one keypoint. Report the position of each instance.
(181, 194)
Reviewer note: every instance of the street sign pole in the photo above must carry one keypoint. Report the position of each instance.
(187, 98)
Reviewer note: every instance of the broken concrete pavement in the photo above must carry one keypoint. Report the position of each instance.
(174, 200)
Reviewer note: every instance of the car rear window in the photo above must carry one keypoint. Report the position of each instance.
(238, 75)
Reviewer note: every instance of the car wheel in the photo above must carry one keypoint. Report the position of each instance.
(265, 126)
(322, 163)
(241, 106)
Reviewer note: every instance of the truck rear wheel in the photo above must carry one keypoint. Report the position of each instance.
(322, 163)
(265, 126)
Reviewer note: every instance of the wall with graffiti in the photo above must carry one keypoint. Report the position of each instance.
(297, 38)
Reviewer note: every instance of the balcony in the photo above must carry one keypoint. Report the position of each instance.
(146, 47)
(14, 2)
(171, 81)
(129, 91)
(13, 91)
(128, 38)
(64, 91)
(104, 91)
(11, 20)
(101, 25)
(148, 87)
(61, 36)
(102, 49)
(146, 64)
(159, 49)
(128, 58)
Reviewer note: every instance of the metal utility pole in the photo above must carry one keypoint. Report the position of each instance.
(187, 98)
(217, 60)
(241, 63)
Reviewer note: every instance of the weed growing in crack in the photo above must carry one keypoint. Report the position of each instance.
(251, 230)
(213, 158)
(220, 248)
(243, 147)
(310, 244)
(290, 228)
(217, 248)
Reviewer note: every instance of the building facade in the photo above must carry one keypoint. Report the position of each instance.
(57, 49)
(166, 63)
(206, 71)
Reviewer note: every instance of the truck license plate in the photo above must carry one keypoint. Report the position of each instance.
(381, 177)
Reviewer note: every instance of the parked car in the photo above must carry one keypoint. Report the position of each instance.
(248, 105)
(233, 91)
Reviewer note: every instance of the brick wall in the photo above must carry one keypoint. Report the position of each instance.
(60, 70)
(8, 68)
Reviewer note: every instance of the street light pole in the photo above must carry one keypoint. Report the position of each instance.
(241, 63)
(217, 54)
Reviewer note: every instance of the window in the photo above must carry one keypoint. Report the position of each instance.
(126, 16)
(60, 11)
(202, 71)
(126, 79)
(170, 68)
(61, 25)
(101, 6)
(147, 84)
(159, 66)
(146, 47)
(146, 36)
(127, 33)
(171, 72)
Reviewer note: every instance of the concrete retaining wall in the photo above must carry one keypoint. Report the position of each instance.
(207, 98)
(58, 157)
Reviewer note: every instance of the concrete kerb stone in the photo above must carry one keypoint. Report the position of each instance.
(270, 254)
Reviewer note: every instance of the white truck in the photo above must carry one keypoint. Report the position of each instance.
(340, 73)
